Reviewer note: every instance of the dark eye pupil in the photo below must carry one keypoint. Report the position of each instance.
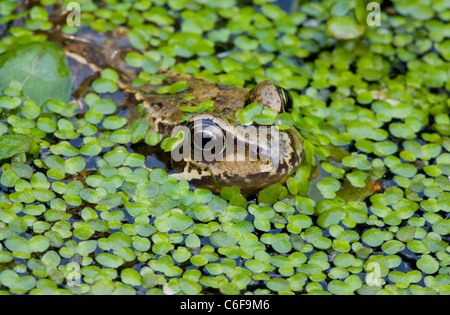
(205, 139)
(207, 136)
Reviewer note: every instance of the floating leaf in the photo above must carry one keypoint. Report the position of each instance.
(245, 115)
(11, 145)
(138, 130)
(41, 69)
(16, 283)
(175, 88)
(102, 86)
(375, 237)
(131, 277)
(222, 239)
(281, 243)
(168, 144)
(206, 106)
(344, 27)
(428, 264)
(109, 260)
(114, 122)
(328, 187)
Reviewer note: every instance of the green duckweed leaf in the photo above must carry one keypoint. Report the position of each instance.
(175, 88)
(206, 106)
(102, 287)
(222, 239)
(138, 130)
(11, 145)
(101, 106)
(131, 277)
(18, 246)
(114, 122)
(109, 260)
(245, 115)
(344, 27)
(328, 187)
(375, 237)
(168, 144)
(153, 138)
(75, 165)
(281, 243)
(137, 40)
(269, 195)
(278, 284)
(16, 283)
(393, 247)
(10, 102)
(91, 147)
(427, 264)
(103, 85)
(330, 217)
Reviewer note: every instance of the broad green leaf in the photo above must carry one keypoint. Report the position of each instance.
(41, 69)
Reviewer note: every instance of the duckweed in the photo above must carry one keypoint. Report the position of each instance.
(84, 211)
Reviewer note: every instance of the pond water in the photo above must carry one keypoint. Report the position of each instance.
(286, 5)
(81, 213)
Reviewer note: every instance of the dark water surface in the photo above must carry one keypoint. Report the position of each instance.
(285, 4)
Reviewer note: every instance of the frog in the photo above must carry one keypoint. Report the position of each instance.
(250, 170)
(238, 168)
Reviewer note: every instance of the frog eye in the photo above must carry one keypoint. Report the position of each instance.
(286, 99)
(207, 136)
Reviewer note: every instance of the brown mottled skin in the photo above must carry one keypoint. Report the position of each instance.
(266, 93)
(87, 58)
